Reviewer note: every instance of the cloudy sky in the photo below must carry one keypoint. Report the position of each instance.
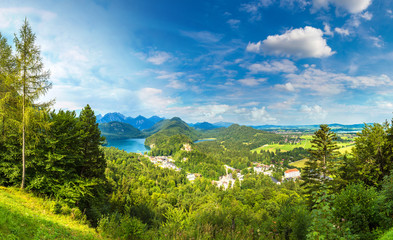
(251, 62)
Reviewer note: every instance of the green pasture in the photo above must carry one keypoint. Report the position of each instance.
(304, 143)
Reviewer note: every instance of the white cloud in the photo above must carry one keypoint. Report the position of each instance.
(327, 30)
(284, 65)
(220, 112)
(253, 8)
(176, 84)
(158, 57)
(254, 47)
(351, 6)
(377, 41)
(315, 112)
(302, 4)
(389, 12)
(285, 105)
(366, 15)
(287, 87)
(260, 115)
(234, 23)
(251, 82)
(305, 42)
(327, 83)
(152, 98)
(12, 18)
(203, 36)
(342, 31)
(385, 105)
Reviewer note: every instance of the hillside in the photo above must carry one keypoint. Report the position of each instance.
(236, 136)
(23, 216)
(119, 130)
(170, 127)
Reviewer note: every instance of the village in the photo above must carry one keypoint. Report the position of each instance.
(232, 174)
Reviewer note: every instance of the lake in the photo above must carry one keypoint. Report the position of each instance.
(135, 145)
(205, 139)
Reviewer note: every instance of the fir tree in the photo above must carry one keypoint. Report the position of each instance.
(322, 163)
(33, 80)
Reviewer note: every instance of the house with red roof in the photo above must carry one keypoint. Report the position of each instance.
(292, 173)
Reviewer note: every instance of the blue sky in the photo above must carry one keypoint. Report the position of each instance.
(251, 62)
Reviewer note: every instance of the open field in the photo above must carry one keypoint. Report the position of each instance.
(23, 216)
(299, 164)
(304, 143)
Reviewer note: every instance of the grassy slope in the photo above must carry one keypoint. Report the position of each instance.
(387, 236)
(299, 164)
(23, 216)
(305, 143)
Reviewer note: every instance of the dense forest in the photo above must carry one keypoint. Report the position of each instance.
(59, 155)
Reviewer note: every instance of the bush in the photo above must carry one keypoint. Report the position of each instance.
(121, 227)
(361, 209)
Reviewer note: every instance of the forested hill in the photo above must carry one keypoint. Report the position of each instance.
(119, 130)
(170, 127)
(242, 135)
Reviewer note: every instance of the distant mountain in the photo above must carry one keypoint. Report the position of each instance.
(112, 117)
(223, 124)
(139, 122)
(204, 126)
(98, 117)
(119, 130)
(156, 119)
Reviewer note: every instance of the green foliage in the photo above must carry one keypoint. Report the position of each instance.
(116, 226)
(170, 127)
(32, 82)
(23, 216)
(164, 145)
(361, 209)
(322, 163)
(372, 160)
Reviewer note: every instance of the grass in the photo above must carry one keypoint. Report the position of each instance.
(387, 236)
(23, 216)
(299, 164)
(304, 143)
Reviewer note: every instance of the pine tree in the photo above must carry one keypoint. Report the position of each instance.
(322, 162)
(33, 80)
(94, 164)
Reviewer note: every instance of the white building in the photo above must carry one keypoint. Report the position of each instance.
(292, 173)
(191, 177)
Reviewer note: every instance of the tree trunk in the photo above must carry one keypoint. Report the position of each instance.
(23, 136)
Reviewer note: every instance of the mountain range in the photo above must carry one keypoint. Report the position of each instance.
(140, 122)
(117, 126)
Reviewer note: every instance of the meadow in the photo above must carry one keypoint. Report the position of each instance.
(345, 147)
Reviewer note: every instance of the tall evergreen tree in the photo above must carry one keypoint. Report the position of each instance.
(322, 162)
(94, 164)
(33, 79)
